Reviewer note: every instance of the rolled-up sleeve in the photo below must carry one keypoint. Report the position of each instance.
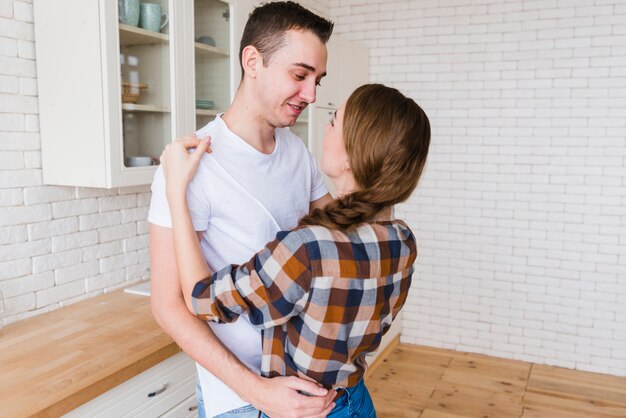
(271, 288)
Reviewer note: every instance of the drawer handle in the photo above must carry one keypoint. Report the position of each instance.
(193, 408)
(158, 392)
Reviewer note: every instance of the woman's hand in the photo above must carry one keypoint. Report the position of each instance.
(179, 165)
(280, 397)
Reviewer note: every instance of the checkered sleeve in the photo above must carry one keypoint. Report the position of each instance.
(272, 287)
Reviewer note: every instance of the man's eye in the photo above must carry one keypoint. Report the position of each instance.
(299, 77)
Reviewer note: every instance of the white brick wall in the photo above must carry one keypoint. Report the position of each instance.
(520, 215)
(58, 245)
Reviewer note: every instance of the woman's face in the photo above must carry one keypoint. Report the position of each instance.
(334, 155)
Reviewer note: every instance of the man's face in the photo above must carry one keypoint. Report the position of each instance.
(288, 83)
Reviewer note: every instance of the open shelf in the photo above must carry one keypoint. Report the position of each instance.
(210, 50)
(131, 35)
(144, 108)
(206, 112)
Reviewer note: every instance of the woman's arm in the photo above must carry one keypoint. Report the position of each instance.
(179, 167)
(272, 287)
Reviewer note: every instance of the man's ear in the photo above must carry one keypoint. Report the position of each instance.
(250, 59)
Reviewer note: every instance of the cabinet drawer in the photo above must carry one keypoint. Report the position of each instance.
(149, 394)
(186, 409)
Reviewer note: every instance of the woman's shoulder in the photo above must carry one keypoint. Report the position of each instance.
(388, 231)
(306, 234)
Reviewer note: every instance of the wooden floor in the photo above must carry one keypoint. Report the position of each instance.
(415, 381)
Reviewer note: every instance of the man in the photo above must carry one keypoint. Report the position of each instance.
(259, 179)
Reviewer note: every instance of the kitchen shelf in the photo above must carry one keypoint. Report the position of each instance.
(207, 112)
(144, 108)
(204, 49)
(130, 35)
(175, 67)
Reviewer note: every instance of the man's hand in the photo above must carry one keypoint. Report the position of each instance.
(280, 397)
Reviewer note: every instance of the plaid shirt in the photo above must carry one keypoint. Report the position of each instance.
(322, 298)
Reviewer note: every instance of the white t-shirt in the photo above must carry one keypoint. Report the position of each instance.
(241, 198)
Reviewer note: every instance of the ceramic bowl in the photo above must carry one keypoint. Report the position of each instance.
(138, 161)
(207, 40)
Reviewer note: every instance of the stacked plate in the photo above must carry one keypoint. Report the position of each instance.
(204, 104)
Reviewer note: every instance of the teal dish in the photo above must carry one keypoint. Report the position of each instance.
(207, 40)
(205, 104)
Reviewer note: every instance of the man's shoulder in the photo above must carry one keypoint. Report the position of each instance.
(210, 128)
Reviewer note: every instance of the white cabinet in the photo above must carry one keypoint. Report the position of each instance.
(91, 127)
(347, 69)
(167, 389)
(186, 409)
(92, 132)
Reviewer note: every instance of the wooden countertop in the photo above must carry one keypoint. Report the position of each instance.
(54, 362)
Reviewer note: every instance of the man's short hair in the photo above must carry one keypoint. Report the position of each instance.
(268, 23)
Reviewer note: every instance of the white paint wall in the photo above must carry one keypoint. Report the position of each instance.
(58, 245)
(521, 214)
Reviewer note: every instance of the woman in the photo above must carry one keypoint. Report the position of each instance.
(324, 293)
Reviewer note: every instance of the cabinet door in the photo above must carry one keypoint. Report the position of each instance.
(212, 48)
(347, 68)
(329, 93)
(186, 409)
(320, 116)
(145, 81)
(114, 90)
(149, 394)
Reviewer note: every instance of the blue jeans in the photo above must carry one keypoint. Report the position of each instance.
(356, 402)
(200, 400)
(247, 411)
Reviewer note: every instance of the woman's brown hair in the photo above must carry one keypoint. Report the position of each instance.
(387, 136)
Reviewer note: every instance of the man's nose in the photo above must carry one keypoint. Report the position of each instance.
(308, 92)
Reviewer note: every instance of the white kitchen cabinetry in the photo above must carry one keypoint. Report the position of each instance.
(167, 389)
(347, 69)
(89, 132)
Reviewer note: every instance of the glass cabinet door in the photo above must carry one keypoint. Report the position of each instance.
(212, 62)
(145, 80)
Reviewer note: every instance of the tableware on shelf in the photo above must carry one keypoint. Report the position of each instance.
(205, 104)
(132, 91)
(139, 161)
(150, 17)
(128, 12)
(207, 40)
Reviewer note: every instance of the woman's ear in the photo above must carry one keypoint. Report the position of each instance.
(250, 58)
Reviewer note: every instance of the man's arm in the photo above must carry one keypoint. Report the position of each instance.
(321, 202)
(277, 397)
